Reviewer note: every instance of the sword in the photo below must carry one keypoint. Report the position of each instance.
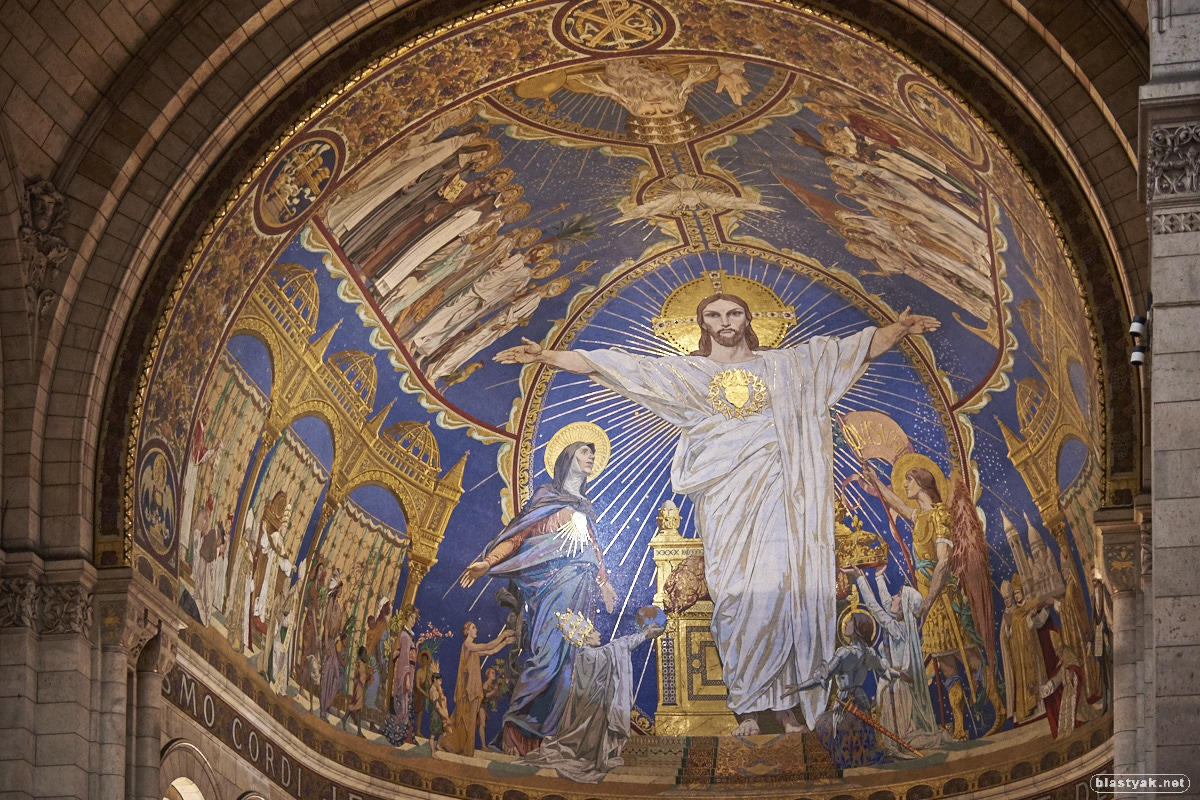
(867, 718)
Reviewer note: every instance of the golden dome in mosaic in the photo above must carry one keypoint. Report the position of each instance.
(357, 370)
(298, 286)
(417, 440)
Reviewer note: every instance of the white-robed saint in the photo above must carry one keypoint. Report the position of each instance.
(387, 176)
(488, 290)
(755, 456)
(905, 706)
(595, 722)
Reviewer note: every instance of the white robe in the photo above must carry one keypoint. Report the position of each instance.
(596, 722)
(386, 177)
(393, 274)
(521, 308)
(763, 492)
(489, 289)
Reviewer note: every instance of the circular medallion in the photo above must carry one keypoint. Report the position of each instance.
(298, 179)
(157, 506)
(769, 316)
(613, 26)
(939, 114)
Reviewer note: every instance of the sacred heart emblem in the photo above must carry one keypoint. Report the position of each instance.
(737, 388)
(737, 393)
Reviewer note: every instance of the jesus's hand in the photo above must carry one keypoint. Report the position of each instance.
(918, 323)
(526, 353)
(906, 324)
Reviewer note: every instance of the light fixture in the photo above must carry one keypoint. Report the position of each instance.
(1139, 331)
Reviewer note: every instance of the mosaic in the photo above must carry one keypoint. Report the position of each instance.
(664, 394)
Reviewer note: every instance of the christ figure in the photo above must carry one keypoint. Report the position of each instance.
(755, 455)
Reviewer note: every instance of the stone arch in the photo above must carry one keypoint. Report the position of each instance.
(188, 770)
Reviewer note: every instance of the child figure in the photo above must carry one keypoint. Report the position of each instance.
(439, 714)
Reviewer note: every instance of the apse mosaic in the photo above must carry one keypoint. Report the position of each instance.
(656, 393)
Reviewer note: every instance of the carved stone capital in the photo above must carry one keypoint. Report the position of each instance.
(1146, 543)
(127, 623)
(159, 652)
(1173, 160)
(131, 612)
(65, 608)
(18, 602)
(1123, 533)
(1122, 566)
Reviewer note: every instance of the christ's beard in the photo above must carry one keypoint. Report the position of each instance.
(730, 338)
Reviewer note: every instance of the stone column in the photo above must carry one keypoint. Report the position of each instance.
(1149, 656)
(1121, 541)
(64, 681)
(155, 661)
(130, 614)
(18, 673)
(1170, 155)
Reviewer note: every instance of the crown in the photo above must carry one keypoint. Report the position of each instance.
(575, 627)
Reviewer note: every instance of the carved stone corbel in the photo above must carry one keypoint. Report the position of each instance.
(43, 249)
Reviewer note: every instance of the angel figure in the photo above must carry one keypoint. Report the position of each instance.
(950, 557)
(689, 193)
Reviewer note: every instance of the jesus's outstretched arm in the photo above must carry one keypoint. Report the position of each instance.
(534, 353)
(907, 323)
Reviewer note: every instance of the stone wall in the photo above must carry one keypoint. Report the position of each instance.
(1171, 130)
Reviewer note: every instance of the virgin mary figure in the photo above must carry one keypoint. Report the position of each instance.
(550, 554)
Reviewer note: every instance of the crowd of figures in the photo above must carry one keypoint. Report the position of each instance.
(916, 671)
(435, 231)
(567, 698)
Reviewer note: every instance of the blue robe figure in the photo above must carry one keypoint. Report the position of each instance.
(549, 552)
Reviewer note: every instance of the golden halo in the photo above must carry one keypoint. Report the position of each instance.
(845, 615)
(770, 317)
(911, 460)
(588, 432)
